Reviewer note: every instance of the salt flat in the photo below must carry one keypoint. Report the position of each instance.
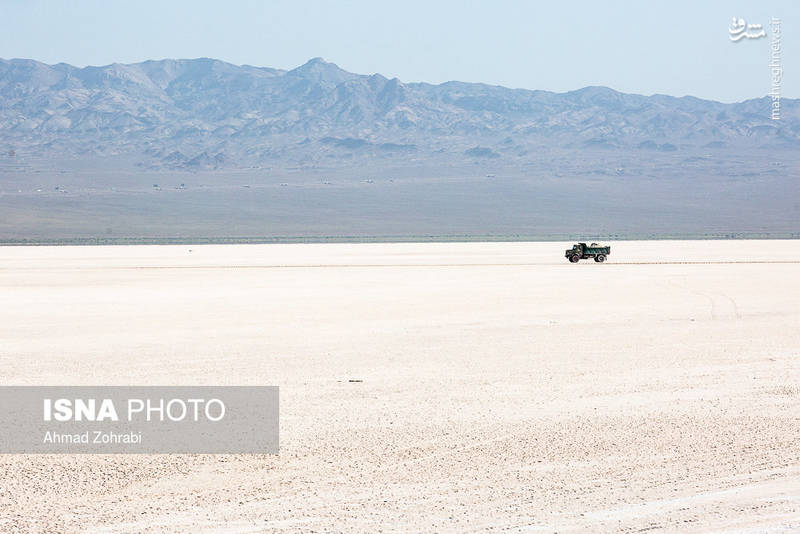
(503, 389)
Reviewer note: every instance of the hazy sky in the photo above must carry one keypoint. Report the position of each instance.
(672, 47)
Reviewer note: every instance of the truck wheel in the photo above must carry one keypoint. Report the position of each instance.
(600, 258)
(574, 258)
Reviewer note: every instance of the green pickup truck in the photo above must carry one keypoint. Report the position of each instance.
(582, 251)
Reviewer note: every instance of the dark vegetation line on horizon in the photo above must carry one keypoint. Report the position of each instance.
(115, 241)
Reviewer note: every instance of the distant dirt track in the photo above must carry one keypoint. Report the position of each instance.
(699, 262)
(415, 265)
(373, 265)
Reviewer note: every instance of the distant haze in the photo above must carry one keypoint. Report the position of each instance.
(205, 150)
(205, 113)
(676, 48)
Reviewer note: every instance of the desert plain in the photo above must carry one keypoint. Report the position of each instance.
(435, 387)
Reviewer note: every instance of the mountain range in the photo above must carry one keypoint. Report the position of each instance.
(205, 114)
